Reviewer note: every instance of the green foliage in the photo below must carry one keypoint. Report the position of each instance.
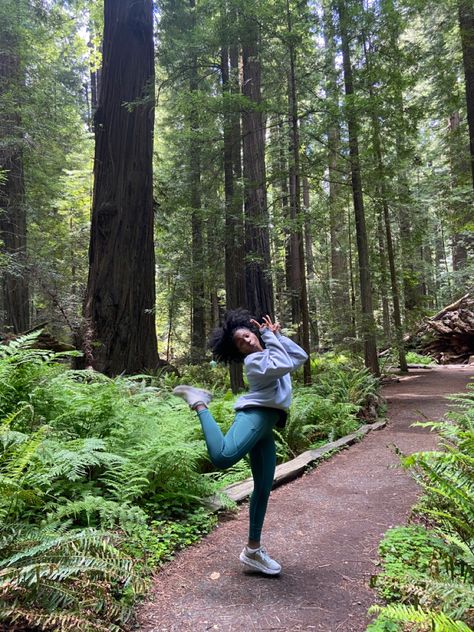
(87, 452)
(447, 477)
(429, 621)
(56, 580)
(209, 375)
(156, 543)
(337, 377)
(78, 449)
(21, 367)
(314, 420)
(432, 570)
(416, 358)
(407, 553)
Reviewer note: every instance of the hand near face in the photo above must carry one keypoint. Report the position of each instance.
(267, 323)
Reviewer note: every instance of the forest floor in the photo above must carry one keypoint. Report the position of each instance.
(324, 528)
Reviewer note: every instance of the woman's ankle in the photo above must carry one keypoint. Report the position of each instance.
(253, 544)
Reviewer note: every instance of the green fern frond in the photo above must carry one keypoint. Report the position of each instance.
(96, 509)
(438, 621)
(19, 344)
(57, 578)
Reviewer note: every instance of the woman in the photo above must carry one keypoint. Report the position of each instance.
(268, 359)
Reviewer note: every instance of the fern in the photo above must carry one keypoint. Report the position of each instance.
(437, 621)
(62, 581)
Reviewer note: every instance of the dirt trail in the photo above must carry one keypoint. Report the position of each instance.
(324, 528)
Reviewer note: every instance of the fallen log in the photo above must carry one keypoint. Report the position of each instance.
(448, 336)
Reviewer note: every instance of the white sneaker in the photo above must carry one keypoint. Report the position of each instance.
(192, 396)
(259, 560)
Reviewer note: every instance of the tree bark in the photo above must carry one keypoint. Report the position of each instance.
(259, 288)
(299, 293)
(466, 27)
(13, 232)
(120, 299)
(368, 323)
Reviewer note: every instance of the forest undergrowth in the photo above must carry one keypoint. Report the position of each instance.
(102, 480)
(427, 579)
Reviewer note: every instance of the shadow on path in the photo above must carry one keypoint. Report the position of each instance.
(324, 528)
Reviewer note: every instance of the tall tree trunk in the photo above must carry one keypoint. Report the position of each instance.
(120, 300)
(15, 290)
(259, 288)
(460, 174)
(410, 264)
(94, 76)
(383, 197)
(368, 323)
(466, 26)
(198, 318)
(308, 239)
(234, 278)
(279, 168)
(298, 288)
(383, 277)
(339, 282)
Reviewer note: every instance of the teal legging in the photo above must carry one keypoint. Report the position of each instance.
(251, 433)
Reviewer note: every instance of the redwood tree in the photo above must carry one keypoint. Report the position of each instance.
(368, 323)
(15, 294)
(259, 286)
(466, 25)
(120, 298)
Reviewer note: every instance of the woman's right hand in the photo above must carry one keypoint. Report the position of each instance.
(267, 324)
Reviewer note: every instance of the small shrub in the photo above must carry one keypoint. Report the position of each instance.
(407, 554)
(416, 358)
(157, 542)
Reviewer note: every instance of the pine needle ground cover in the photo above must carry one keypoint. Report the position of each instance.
(102, 480)
(428, 566)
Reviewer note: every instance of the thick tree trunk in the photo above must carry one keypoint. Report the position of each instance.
(259, 288)
(298, 288)
(120, 300)
(15, 291)
(466, 26)
(368, 323)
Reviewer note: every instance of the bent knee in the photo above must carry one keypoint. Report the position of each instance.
(223, 461)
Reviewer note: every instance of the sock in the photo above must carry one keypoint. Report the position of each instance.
(249, 550)
(194, 406)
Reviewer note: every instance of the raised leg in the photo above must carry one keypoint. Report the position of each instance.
(249, 427)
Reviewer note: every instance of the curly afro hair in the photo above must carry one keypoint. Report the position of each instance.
(221, 341)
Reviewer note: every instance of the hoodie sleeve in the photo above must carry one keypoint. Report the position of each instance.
(296, 353)
(275, 360)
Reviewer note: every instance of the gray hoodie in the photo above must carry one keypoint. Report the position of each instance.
(268, 372)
